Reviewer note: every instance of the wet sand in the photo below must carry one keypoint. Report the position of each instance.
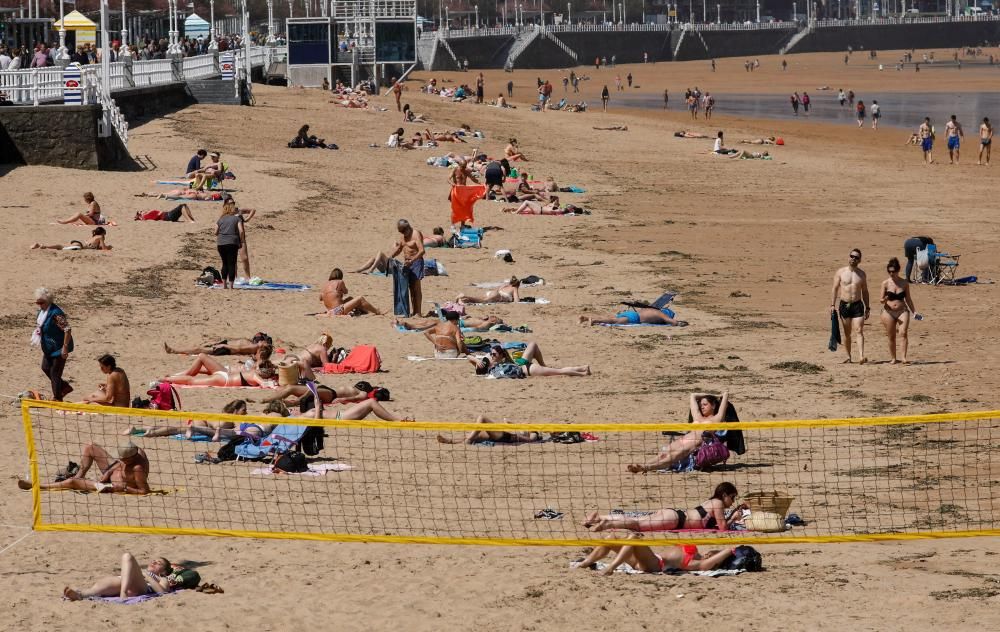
(750, 245)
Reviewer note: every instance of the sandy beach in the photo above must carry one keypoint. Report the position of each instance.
(750, 247)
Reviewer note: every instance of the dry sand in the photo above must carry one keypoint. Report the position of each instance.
(751, 247)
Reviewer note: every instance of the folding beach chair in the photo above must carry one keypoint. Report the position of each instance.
(941, 266)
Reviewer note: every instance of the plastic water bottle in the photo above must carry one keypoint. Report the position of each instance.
(917, 316)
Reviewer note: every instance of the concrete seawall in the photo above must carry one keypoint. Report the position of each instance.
(677, 45)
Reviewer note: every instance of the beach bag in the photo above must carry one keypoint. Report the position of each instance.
(291, 463)
(506, 370)
(711, 452)
(164, 397)
(745, 558)
(184, 579)
(228, 451)
(765, 522)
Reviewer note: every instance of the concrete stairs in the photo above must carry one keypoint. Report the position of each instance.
(426, 49)
(798, 37)
(521, 43)
(558, 42)
(214, 91)
(451, 53)
(680, 40)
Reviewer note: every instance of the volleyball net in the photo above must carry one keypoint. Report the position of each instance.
(848, 479)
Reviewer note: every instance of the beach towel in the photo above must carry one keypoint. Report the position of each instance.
(628, 570)
(463, 198)
(361, 359)
(131, 601)
(534, 300)
(834, 332)
(265, 384)
(620, 326)
(416, 358)
(267, 285)
(400, 288)
(315, 469)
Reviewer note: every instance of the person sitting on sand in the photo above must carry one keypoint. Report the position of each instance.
(93, 215)
(436, 240)
(530, 207)
(496, 436)
(718, 147)
(173, 215)
(446, 336)
(512, 152)
(531, 364)
(687, 134)
(508, 293)
(635, 316)
(236, 346)
(304, 139)
(705, 409)
(115, 391)
(211, 174)
(96, 242)
(184, 194)
(683, 557)
(158, 578)
(334, 297)
(711, 514)
(527, 192)
(467, 323)
(770, 140)
(207, 371)
(501, 101)
(396, 140)
(127, 475)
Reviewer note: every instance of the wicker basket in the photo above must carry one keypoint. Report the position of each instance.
(288, 373)
(773, 502)
(764, 522)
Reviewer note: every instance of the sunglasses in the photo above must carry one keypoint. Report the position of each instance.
(858, 257)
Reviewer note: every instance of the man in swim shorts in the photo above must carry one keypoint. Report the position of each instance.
(411, 245)
(851, 302)
(926, 134)
(985, 140)
(954, 134)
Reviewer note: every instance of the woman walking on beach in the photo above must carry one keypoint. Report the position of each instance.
(897, 308)
(605, 95)
(229, 233)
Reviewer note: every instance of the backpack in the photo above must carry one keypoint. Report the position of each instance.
(506, 370)
(228, 451)
(164, 397)
(291, 463)
(184, 578)
(711, 452)
(745, 558)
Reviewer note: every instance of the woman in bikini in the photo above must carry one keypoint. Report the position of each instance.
(635, 316)
(338, 303)
(512, 152)
(467, 323)
(531, 207)
(216, 431)
(96, 242)
(530, 364)
(479, 436)
(711, 514)
(329, 395)
(93, 215)
(207, 371)
(705, 409)
(184, 194)
(313, 356)
(158, 578)
(897, 309)
(685, 557)
(509, 293)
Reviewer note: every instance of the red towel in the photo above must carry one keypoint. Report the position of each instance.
(463, 198)
(361, 359)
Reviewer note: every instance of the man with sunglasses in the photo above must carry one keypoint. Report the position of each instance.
(851, 302)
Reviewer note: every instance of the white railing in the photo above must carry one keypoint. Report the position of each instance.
(737, 26)
(29, 86)
(939, 19)
(154, 72)
(199, 67)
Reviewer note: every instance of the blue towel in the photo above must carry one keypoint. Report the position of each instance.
(400, 288)
(294, 287)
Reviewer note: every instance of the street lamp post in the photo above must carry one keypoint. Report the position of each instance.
(704, 11)
(718, 14)
(758, 11)
(105, 57)
(621, 12)
(212, 44)
(795, 13)
(476, 7)
(290, 10)
(569, 13)
(447, 19)
(270, 21)
(124, 44)
(63, 53)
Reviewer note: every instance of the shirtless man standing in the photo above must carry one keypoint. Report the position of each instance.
(116, 391)
(954, 133)
(397, 93)
(850, 300)
(127, 475)
(446, 336)
(926, 134)
(411, 244)
(985, 140)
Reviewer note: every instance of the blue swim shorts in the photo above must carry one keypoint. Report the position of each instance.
(926, 144)
(631, 315)
(953, 142)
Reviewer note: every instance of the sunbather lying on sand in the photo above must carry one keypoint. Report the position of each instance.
(634, 316)
(530, 364)
(442, 136)
(496, 436)
(530, 207)
(173, 215)
(758, 141)
(467, 323)
(509, 293)
(329, 395)
(96, 242)
(687, 134)
(614, 128)
(711, 514)
(235, 346)
(207, 371)
(132, 581)
(743, 154)
(184, 194)
(379, 263)
(684, 557)
(217, 431)
(334, 297)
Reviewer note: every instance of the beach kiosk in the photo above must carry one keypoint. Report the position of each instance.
(79, 30)
(195, 26)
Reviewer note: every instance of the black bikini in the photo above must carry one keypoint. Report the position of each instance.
(711, 522)
(895, 296)
(681, 518)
